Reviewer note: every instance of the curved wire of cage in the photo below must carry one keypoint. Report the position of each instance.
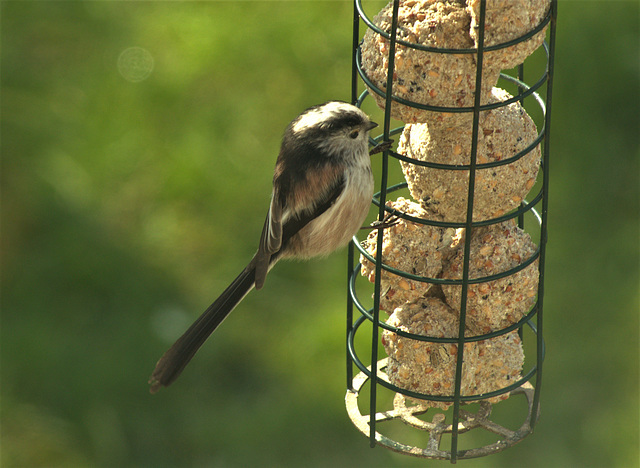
(443, 50)
(373, 373)
(368, 314)
(442, 398)
(483, 107)
(527, 91)
(453, 281)
(526, 207)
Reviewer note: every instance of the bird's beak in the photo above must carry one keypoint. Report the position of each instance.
(371, 126)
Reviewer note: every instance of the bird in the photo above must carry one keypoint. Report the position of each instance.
(322, 191)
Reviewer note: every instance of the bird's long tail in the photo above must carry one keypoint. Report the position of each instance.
(172, 363)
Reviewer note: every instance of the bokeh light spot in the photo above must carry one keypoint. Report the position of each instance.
(135, 64)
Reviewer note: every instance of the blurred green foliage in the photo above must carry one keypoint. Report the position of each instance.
(127, 206)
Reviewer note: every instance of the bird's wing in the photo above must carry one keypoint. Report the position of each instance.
(296, 222)
(270, 240)
(276, 233)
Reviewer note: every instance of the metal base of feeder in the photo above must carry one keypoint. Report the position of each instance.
(438, 426)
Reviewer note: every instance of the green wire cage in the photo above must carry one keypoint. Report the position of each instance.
(408, 420)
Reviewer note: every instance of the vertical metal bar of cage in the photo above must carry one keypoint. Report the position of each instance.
(354, 53)
(520, 91)
(383, 201)
(350, 260)
(351, 249)
(544, 214)
(468, 228)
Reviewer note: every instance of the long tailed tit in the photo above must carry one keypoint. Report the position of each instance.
(322, 189)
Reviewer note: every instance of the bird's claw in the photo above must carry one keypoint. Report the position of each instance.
(381, 147)
(390, 220)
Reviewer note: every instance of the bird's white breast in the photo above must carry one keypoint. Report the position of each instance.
(336, 226)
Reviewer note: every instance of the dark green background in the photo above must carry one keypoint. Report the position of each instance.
(127, 207)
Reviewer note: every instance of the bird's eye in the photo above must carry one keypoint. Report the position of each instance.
(354, 134)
